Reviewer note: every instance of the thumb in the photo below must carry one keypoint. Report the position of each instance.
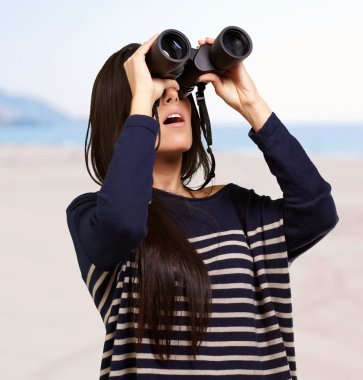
(214, 79)
(171, 83)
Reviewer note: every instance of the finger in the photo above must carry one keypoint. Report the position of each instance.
(208, 40)
(144, 48)
(171, 83)
(151, 39)
(210, 77)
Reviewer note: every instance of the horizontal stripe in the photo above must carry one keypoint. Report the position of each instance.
(220, 272)
(105, 371)
(266, 227)
(271, 256)
(216, 235)
(214, 329)
(110, 336)
(276, 240)
(222, 244)
(200, 372)
(205, 343)
(226, 256)
(232, 300)
(219, 358)
(283, 270)
(227, 315)
(240, 256)
(233, 285)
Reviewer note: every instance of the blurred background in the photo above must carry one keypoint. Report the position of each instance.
(306, 63)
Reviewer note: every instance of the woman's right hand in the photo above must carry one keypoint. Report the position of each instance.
(143, 87)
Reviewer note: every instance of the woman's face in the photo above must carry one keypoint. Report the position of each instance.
(175, 137)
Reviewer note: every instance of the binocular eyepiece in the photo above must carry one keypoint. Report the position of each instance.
(171, 56)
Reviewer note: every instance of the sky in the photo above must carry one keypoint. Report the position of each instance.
(306, 61)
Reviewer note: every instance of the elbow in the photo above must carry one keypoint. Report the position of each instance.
(334, 219)
(123, 219)
(129, 231)
(137, 234)
(324, 216)
(130, 224)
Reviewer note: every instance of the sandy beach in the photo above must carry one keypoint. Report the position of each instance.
(51, 329)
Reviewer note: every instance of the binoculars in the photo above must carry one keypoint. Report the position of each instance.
(172, 57)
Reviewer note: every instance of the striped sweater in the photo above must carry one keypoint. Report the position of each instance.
(247, 242)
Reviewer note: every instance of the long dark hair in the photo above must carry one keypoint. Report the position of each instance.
(164, 257)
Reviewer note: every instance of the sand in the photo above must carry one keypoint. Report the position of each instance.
(51, 329)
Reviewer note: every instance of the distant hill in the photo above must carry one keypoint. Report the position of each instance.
(17, 110)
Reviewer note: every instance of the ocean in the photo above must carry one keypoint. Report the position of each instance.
(325, 139)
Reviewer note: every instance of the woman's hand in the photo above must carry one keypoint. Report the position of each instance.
(237, 89)
(144, 88)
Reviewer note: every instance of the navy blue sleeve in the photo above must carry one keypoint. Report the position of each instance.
(307, 207)
(105, 226)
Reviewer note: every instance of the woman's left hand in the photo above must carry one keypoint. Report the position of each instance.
(235, 87)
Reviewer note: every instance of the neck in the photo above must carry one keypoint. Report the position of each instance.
(166, 174)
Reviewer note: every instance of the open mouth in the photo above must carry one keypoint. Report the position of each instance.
(173, 118)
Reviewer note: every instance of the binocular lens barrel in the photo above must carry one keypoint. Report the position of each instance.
(168, 54)
(231, 46)
(174, 46)
(236, 43)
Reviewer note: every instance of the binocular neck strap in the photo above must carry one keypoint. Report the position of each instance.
(206, 128)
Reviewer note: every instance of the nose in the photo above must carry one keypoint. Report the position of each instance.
(170, 95)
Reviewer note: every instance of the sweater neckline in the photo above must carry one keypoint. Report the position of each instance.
(216, 194)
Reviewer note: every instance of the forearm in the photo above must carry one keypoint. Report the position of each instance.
(141, 106)
(124, 196)
(296, 174)
(308, 207)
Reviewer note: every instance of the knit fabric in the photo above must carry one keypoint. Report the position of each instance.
(246, 240)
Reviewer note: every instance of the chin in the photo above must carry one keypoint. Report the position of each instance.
(176, 149)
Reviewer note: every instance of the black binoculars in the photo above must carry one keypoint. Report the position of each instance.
(171, 56)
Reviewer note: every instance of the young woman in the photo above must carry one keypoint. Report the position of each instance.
(190, 284)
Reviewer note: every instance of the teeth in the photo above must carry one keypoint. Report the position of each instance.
(174, 115)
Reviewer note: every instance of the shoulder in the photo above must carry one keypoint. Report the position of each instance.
(239, 192)
(234, 189)
(215, 188)
(210, 190)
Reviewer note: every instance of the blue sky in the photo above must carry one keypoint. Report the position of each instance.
(306, 61)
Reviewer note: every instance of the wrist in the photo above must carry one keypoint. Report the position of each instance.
(141, 106)
(256, 113)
